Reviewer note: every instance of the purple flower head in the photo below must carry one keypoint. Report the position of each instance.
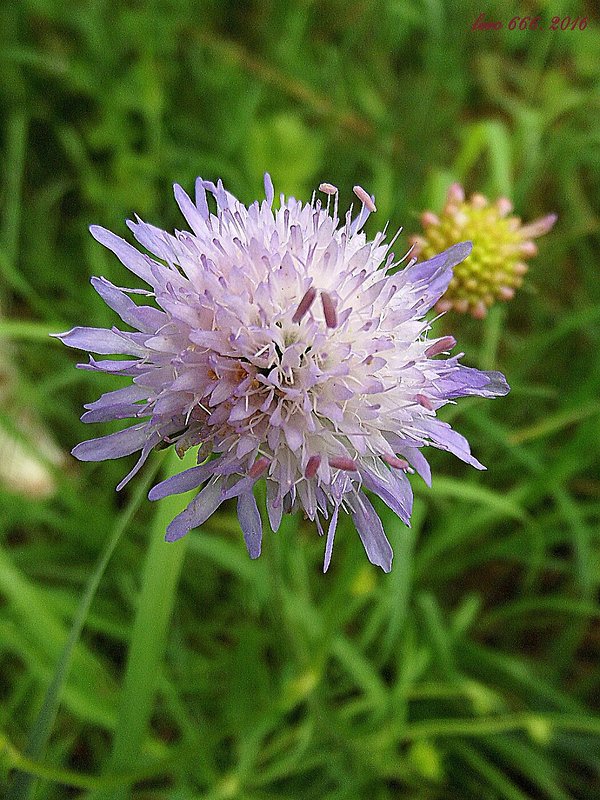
(285, 346)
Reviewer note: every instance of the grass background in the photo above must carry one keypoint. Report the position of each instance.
(134, 669)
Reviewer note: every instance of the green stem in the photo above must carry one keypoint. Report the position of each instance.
(492, 335)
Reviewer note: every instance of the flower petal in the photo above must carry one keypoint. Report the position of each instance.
(119, 404)
(416, 458)
(100, 340)
(146, 450)
(393, 488)
(330, 536)
(443, 437)
(144, 318)
(189, 210)
(115, 445)
(435, 274)
(464, 381)
(372, 535)
(274, 505)
(114, 367)
(251, 523)
(135, 261)
(199, 510)
(184, 482)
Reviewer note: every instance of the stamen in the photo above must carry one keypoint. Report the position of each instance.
(478, 200)
(364, 198)
(312, 465)
(528, 249)
(429, 218)
(329, 310)
(305, 304)
(395, 462)
(424, 401)
(258, 467)
(456, 193)
(480, 310)
(539, 226)
(328, 188)
(445, 343)
(504, 206)
(341, 462)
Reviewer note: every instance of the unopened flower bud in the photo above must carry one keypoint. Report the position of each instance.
(495, 267)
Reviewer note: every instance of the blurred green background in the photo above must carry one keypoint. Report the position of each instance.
(472, 670)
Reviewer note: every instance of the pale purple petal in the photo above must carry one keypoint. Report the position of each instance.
(443, 437)
(128, 394)
(330, 537)
(269, 190)
(115, 445)
(114, 367)
(251, 523)
(123, 411)
(189, 210)
(135, 261)
(144, 318)
(198, 511)
(462, 381)
(393, 488)
(435, 274)
(146, 450)
(417, 460)
(184, 481)
(119, 404)
(372, 535)
(274, 506)
(100, 340)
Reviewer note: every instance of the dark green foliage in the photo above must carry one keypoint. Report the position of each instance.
(471, 672)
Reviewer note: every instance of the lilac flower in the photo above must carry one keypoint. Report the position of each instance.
(284, 345)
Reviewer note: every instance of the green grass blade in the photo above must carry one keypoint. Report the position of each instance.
(22, 784)
(157, 597)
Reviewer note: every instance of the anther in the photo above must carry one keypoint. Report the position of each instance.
(364, 198)
(395, 462)
(341, 462)
(329, 310)
(312, 465)
(328, 188)
(424, 401)
(259, 466)
(305, 304)
(445, 343)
